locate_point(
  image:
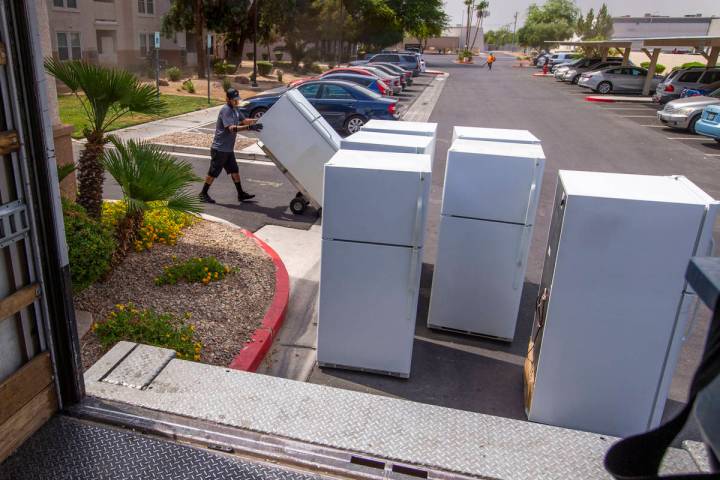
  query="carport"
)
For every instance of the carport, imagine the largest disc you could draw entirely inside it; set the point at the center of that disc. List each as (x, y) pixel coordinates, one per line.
(709, 46)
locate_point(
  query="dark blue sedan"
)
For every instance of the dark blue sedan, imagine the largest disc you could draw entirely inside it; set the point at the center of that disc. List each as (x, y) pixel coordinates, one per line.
(346, 106)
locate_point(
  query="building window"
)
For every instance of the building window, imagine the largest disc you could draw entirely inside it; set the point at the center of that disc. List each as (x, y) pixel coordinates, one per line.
(145, 42)
(65, 3)
(190, 45)
(146, 7)
(68, 45)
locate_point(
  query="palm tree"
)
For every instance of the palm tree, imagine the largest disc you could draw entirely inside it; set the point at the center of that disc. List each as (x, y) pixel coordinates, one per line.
(481, 10)
(105, 95)
(149, 178)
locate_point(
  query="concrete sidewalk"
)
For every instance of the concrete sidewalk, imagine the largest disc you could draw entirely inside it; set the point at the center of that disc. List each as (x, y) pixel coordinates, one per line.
(293, 352)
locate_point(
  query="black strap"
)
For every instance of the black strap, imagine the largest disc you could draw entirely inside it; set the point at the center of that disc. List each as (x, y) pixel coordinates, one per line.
(639, 457)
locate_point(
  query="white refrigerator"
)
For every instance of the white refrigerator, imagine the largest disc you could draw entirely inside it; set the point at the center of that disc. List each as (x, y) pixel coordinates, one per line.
(389, 142)
(373, 222)
(488, 210)
(423, 129)
(494, 135)
(613, 304)
(301, 141)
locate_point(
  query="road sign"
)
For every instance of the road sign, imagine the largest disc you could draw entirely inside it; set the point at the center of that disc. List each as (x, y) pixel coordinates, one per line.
(209, 44)
(157, 40)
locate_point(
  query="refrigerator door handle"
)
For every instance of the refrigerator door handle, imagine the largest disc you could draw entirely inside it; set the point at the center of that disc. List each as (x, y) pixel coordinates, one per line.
(533, 190)
(414, 241)
(522, 248)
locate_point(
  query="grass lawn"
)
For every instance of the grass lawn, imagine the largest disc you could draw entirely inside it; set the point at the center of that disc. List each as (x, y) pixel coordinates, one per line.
(72, 113)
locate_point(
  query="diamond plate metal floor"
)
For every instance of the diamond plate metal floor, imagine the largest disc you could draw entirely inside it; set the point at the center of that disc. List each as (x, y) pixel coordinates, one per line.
(66, 448)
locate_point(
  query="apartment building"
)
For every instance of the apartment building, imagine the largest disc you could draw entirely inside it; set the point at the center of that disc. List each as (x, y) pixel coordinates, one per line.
(115, 32)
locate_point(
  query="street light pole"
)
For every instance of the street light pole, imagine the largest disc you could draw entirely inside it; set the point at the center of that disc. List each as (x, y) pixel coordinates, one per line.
(514, 30)
(255, 32)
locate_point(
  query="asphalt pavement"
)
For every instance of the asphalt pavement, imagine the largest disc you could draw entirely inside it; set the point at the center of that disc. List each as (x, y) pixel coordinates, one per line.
(486, 376)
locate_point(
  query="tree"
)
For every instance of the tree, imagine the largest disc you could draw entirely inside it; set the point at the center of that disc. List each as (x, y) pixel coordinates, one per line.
(554, 20)
(234, 20)
(481, 11)
(106, 95)
(149, 178)
(188, 16)
(595, 28)
(499, 37)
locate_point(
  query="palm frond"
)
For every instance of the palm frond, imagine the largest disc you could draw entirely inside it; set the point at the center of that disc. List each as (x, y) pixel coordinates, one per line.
(147, 174)
(110, 93)
(64, 170)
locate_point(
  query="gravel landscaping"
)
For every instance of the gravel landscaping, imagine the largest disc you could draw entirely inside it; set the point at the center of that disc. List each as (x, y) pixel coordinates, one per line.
(224, 313)
(194, 139)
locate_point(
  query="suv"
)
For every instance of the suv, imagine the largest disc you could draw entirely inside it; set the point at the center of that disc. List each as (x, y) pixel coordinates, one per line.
(408, 61)
(562, 57)
(688, 78)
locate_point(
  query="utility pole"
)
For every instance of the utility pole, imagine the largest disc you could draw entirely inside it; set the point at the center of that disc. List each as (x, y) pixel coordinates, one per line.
(207, 62)
(342, 26)
(255, 32)
(514, 30)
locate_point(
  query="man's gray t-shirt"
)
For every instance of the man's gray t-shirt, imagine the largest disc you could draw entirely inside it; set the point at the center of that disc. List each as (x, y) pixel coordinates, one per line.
(224, 140)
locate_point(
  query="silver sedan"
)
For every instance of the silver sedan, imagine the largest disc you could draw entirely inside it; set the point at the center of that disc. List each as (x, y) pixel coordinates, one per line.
(683, 113)
(618, 80)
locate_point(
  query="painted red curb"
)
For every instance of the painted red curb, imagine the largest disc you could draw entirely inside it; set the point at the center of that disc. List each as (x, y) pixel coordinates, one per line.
(600, 100)
(254, 351)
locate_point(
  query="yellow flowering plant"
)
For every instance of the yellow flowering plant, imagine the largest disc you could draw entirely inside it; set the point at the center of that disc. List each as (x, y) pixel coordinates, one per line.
(195, 270)
(126, 322)
(160, 225)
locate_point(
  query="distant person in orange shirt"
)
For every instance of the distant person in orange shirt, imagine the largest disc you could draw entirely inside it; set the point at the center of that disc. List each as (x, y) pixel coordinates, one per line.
(490, 60)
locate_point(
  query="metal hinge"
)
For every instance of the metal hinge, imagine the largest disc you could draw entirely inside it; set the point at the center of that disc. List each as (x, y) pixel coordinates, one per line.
(14, 224)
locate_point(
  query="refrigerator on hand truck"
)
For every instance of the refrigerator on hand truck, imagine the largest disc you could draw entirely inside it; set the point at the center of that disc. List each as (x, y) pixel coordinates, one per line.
(373, 234)
(299, 141)
(488, 210)
(613, 305)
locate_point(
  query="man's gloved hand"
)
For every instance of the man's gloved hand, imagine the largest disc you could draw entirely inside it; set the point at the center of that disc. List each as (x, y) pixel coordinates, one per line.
(256, 127)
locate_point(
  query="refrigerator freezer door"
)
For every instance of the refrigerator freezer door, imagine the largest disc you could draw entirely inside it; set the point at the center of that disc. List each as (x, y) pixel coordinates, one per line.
(376, 197)
(493, 181)
(300, 140)
(479, 275)
(494, 135)
(367, 306)
(389, 142)
(612, 309)
(423, 129)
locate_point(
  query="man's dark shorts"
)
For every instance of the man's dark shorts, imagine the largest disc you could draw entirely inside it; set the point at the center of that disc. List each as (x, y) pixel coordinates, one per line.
(222, 160)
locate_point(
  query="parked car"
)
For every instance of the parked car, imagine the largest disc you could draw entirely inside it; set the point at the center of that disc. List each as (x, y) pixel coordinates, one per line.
(709, 123)
(392, 81)
(374, 84)
(407, 74)
(687, 78)
(538, 56)
(562, 67)
(408, 61)
(617, 80)
(562, 57)
(345, 105)
(384, 67)
(572, 73)
(542, 60)
(684, 113)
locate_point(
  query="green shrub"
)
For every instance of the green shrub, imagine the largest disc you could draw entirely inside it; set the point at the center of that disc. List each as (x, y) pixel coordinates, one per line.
(90, 246)
(659, 67)
(689, 65)
(278, 56)
(173, 73)
(226, 84)
(195, 270)
(219, 68)
(314, 68)
(165, 330)
(188, 86)
(280, 64)
(264, 68)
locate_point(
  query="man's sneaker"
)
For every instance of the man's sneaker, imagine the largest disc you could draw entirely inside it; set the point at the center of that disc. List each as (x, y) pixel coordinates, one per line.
(244, 196)
(205, 198)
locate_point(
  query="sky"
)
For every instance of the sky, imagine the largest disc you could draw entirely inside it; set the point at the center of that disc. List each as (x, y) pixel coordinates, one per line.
(502, 11)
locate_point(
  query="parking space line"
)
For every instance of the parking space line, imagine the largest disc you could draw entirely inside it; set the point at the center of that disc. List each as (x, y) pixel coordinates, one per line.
(712, 154)
(637, 116)
(687, 138)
